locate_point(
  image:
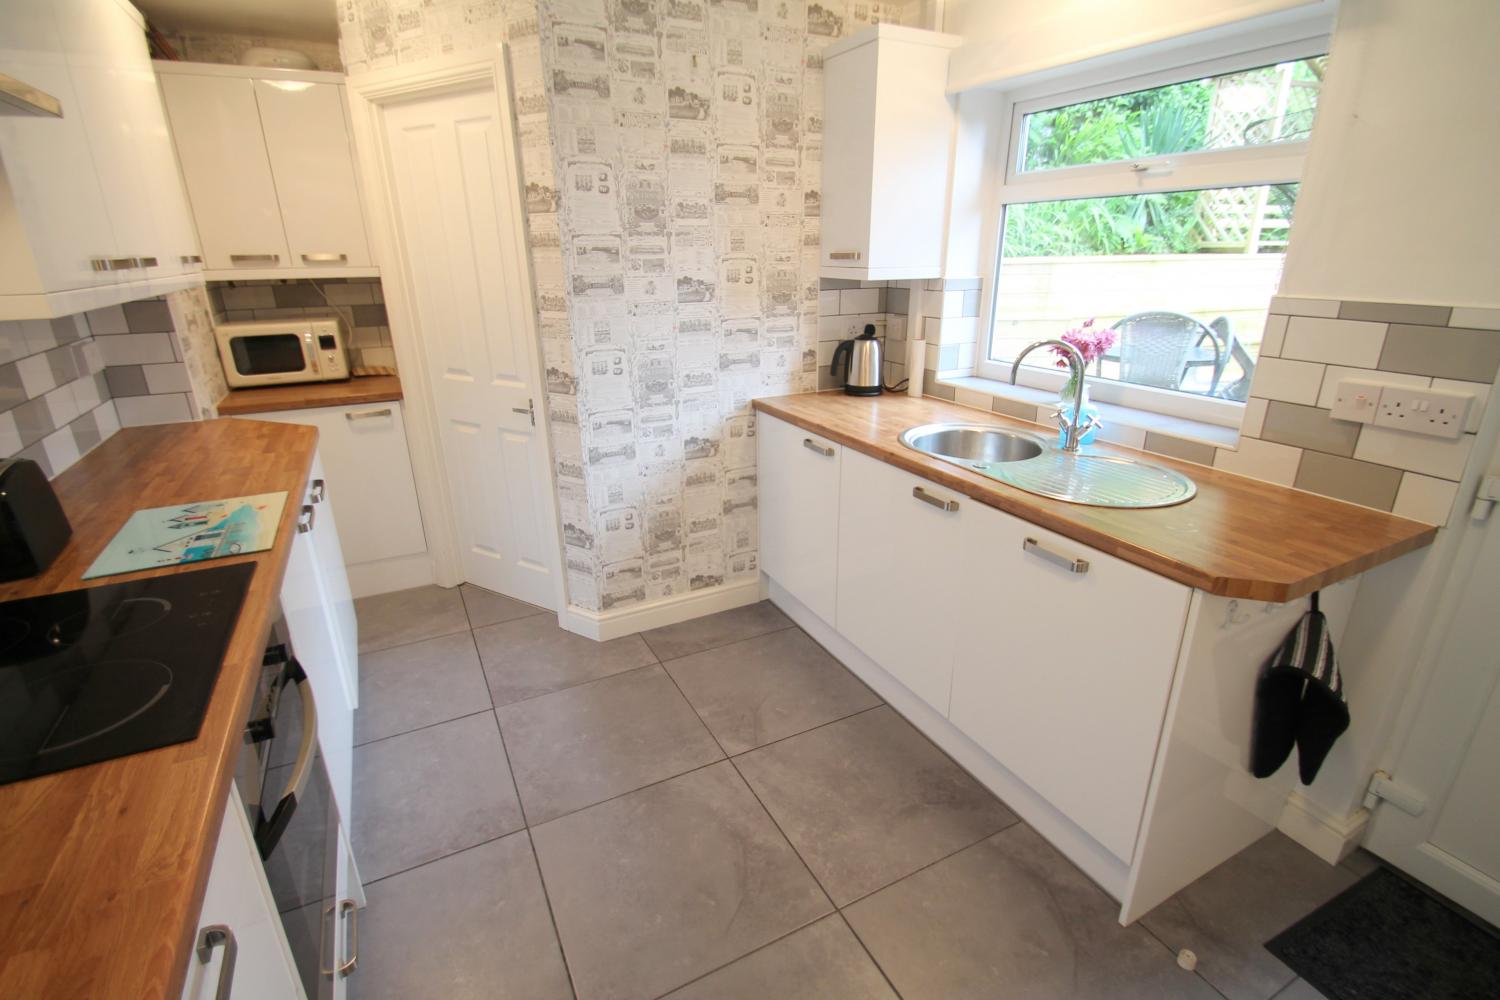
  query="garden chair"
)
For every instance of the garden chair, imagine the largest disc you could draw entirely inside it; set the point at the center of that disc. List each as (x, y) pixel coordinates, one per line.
(1160, 348)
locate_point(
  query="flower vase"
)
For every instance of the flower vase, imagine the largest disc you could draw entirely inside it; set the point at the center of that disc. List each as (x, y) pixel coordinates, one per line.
(1065, 413)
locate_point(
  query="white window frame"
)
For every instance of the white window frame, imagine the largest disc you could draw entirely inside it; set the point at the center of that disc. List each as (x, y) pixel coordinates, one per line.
(1272, 163)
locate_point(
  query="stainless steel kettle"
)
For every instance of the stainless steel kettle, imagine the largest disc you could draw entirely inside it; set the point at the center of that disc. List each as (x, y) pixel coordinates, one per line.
(860, 358)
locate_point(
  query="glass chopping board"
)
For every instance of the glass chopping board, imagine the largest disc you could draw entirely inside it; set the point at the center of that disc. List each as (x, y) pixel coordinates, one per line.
(207, 529)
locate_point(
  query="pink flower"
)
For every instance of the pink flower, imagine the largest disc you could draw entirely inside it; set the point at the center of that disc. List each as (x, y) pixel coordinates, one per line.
(1092, 343)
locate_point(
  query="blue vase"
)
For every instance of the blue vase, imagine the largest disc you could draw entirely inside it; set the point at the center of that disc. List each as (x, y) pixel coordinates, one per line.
(1065, 401)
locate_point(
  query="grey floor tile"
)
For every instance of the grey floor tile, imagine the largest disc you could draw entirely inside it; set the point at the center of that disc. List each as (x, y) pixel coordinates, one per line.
(1360, 863)
(868, 799)
(820, 962)
(472, 925)
(1227, 915)
(404, 616)
(486, 607)
(719, 629)
(532, 656)
(425, 794)
(1011, 917)
(655, 888)
(572, 748)
(408, 687)
(762, 689)
(1300, 990)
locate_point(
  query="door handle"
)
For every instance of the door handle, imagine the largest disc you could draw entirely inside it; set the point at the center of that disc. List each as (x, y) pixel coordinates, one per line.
(529, 409)
(268, 829)
(843, 255)
(306, 519)
(384, 411)
(352, 948)
(1079, 566)
(821, 449)
(210, 938)
(254, 258)
(325, 258)
(318, 492)
(948, 505)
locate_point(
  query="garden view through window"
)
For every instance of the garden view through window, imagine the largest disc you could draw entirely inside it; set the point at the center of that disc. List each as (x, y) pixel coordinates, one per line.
(1182, 278)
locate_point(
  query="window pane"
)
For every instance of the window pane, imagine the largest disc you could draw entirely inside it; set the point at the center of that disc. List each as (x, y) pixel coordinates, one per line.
(1182, 278)
(1250, 108)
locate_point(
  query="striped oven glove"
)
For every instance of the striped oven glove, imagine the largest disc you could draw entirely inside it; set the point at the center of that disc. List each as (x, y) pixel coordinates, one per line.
(1299, 700)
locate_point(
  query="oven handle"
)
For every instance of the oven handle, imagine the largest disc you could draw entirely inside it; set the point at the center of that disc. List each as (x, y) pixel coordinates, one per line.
(269, 830)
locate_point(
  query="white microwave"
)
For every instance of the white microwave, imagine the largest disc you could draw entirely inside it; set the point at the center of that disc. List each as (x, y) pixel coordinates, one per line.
(275, 352)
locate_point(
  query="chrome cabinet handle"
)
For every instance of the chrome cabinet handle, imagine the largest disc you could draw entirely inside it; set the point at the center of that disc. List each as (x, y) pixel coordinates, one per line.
(318, 492)
(190, 258)
(305, 521)
(940, 504)
(1079, 566)
(325, 258)
(211, 937)
(367, 414)
(352, 947)
(843, 255)
(821, 449)
(145, 262)
(112, 263)
(254, 258)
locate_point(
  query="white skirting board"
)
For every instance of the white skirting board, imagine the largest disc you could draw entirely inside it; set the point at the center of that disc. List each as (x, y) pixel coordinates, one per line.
(606, 625)
(386, 575)
(1332, 838)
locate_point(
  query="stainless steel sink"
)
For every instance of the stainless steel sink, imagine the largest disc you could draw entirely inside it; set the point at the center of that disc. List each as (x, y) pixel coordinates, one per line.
(1027, 462)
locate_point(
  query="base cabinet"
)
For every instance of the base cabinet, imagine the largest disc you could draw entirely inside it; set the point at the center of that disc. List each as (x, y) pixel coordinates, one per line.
(798, 478)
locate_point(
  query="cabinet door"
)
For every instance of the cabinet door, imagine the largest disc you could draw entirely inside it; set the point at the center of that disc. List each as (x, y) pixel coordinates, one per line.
(799, 513)
(238, 897)
(897, 589)
(334, 579)
(849, 125)
(307, 140)
(216, 128)
(1063, 676)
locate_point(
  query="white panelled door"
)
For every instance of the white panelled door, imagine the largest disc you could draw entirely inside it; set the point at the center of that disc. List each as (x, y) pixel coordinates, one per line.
(454, 179)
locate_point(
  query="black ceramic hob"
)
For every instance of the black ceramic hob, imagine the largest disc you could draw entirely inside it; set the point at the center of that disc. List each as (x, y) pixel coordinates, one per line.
(89, 675)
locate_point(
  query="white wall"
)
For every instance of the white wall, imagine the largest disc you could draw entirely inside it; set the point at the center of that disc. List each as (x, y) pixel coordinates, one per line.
(1399, 200)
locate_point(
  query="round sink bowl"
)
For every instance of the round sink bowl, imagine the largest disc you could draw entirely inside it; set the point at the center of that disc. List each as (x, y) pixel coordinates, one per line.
(972, 443)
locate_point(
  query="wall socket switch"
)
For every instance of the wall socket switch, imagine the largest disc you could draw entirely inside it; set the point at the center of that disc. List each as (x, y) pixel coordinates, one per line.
(1356, 400)
(1423, 411)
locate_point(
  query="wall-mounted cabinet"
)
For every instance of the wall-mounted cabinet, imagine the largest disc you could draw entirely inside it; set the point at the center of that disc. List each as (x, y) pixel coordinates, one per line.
(888, 128)
(269, 169)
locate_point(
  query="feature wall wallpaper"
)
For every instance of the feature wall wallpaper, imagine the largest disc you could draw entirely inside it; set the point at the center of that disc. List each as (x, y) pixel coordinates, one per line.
(672, 152)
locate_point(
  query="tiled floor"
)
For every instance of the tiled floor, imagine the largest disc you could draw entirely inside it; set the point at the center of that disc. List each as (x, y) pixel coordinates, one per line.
(720, 810)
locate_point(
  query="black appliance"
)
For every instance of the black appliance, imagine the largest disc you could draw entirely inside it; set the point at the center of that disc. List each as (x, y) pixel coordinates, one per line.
(89, 675)
(33, 527)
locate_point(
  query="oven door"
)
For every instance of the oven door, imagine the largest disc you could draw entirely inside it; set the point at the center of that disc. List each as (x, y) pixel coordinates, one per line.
(268, 357)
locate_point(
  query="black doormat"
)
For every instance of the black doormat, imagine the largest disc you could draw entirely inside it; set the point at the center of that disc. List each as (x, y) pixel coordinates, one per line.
(1384, 938)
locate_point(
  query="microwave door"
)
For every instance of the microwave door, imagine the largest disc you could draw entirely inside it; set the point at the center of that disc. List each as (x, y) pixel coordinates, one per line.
(269, 354)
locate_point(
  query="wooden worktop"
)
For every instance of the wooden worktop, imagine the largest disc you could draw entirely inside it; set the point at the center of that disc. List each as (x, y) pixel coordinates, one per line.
(308, 395)
(1238, 537)
(103, 868)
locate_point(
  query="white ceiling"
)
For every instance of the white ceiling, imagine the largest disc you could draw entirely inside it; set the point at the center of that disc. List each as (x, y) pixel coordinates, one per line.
(305, 20)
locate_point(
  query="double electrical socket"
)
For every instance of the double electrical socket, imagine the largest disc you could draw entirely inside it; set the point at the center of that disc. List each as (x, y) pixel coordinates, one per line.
(1420, 411)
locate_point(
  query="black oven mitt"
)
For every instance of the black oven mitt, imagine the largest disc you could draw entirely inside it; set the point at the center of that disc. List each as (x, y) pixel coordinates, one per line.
(1299, 701)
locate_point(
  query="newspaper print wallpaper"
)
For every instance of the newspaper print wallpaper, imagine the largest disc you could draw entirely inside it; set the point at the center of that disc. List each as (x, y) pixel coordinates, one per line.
(672, 152)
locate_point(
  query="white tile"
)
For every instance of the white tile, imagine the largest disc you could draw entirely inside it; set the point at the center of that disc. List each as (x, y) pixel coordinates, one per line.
(952, 303)
(1479, 390)
(93, 356)
(895, 326)
(61, 448)
(1288, 306)
(825, 352)
(1423, 498)
(968, 397)
(828, 303)
(1335, 341)
(107, 418)
(833, 327)
(1275, 463)
(1472, 318)
(1337, 373)
(959, 329)
(167, 378)
(137, 349)
(1414, 452)
(106, 321)
(380, 356)
(36, 375)
(859, 300)
(932, 329)
(1254, 418)
(934, 356)
(136, 411)
(86, 393)
(62, 405)
(1291, 381)
(10, 438)
(1130, 437)
(965, 355)
(1271, 339)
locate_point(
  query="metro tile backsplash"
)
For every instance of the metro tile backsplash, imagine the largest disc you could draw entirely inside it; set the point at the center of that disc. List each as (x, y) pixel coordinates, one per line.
(55, 401)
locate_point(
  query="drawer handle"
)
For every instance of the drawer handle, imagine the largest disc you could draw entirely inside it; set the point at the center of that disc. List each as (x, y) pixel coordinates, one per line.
(384, 411)
(352, 950)
(318, 492)
(306, 519)
(1079, 566)
(113, 263)
(940, 504)
(843, 255)
(190, 258)
(146, 262)
(254, 258)
(821, 449)
(210, 938)
(325, 258)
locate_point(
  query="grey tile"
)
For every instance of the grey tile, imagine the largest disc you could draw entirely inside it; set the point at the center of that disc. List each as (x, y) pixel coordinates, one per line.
(351, 293)
(1440, 352)
(826, 379)
(830, 284)
(67, 329)
(1013, 408)
(33, 420)
(425, 794)
(387, 620)
(1227, 915)
(719, 629)
(151, 316)
(1396, 312)
(695, 875)
(532, 656)
(1012, 917)
(485, 607)
(822, 961)
(126, 380)
(12, 392)
(769, 687)
(1348, 479)
(931, 387)
(1188, 451)
(419, 684)
(64, 364)
(1361, 862)
(1306, 427)
(296, 295)
(1300, 989)
(869, 799)
(38, 455)
(240, 297)
(573, 748)
(971, 303)
(472, 926)
(372, 315)
(86, 432)
(898, 300)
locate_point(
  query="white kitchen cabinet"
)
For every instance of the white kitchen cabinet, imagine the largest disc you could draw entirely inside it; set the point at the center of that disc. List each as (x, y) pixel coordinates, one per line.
(900, 540)
(269, 170)
(799, 494)
(887, 154)
(238, 905)
(1062, 675)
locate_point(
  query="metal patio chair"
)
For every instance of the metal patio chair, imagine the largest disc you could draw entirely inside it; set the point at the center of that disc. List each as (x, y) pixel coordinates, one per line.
(1161, 348)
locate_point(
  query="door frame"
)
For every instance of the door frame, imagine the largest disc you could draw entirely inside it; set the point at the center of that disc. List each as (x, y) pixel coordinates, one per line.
(368, 94)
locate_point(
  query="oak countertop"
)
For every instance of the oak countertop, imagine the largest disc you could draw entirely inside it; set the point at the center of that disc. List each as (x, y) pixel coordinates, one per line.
(103, 867)
(309, 395)
(1238, 537)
